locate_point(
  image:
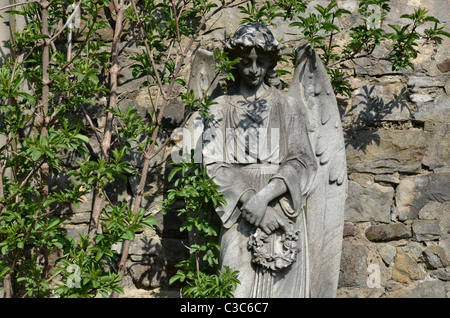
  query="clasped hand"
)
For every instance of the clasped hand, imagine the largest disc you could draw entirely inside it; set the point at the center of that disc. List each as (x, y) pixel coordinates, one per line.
(257, 212)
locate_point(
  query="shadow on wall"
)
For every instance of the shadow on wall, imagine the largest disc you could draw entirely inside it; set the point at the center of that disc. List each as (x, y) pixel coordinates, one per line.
(371, 106)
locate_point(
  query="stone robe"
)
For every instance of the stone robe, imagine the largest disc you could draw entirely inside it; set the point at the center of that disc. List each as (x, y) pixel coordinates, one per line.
(245, 146)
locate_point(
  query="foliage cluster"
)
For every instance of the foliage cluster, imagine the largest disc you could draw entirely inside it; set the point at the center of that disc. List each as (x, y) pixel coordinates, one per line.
(200, 272)
(400, 43)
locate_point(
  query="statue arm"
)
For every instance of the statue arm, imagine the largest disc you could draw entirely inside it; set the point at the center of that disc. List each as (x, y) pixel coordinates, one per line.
(295, 174)
(298, 168)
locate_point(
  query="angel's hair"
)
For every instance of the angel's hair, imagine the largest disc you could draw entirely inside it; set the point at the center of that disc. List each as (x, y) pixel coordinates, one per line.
(256, 35)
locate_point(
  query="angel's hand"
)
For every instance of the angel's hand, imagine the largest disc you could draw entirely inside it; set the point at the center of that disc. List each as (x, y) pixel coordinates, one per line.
(254, 209)
(274, 220)
(269, 222)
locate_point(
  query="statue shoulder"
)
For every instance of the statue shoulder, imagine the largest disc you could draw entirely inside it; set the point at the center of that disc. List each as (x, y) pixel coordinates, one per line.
(291, 105)
(218, 105)
(220, 101)
(216, 110)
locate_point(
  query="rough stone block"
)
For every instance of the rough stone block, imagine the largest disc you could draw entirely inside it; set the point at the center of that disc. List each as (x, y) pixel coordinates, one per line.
(387, 232)
(405, 268)
(425, 230)
(371, 203)
(386, 151)
(353, 272)
(438, 152)
(438, 111)
(413, 193)
(435, 257)
(441, 273)
(427, 289)
(350, 230)
(387, 253)
(444, 66)
(381, 103)
(426, 81)
(435, 210)
(154, 272)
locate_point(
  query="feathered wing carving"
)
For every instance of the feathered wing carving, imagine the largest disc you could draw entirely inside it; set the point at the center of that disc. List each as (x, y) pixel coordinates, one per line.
(203, 79)
(203, 82)
(325, 203)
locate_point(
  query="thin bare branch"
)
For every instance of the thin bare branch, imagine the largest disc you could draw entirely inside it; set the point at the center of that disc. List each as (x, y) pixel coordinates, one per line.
(18, 4)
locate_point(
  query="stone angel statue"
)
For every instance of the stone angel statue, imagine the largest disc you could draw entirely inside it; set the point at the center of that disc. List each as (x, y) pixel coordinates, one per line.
(279, 160)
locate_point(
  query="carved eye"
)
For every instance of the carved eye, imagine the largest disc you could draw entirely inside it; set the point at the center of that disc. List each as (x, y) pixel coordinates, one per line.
(261, 61)
(245, 61)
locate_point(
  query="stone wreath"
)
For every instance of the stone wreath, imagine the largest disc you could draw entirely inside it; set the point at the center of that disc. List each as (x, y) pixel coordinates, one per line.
(261, 245)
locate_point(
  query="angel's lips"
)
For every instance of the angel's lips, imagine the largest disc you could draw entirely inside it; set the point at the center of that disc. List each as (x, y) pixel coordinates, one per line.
(253, 78)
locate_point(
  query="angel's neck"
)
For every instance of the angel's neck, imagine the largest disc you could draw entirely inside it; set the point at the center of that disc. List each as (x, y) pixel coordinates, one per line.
(253, 93)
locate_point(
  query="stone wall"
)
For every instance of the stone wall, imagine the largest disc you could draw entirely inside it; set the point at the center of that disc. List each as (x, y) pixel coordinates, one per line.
(397, 131)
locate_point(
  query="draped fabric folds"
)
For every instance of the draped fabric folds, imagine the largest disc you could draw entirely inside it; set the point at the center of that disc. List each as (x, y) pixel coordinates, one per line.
(245, 146)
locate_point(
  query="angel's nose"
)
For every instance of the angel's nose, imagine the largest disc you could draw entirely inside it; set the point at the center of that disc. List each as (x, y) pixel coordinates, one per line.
(254, 68)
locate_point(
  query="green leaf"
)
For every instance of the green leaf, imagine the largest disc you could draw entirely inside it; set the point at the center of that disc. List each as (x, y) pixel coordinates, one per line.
(82, 137)
(129, 235)
(173, 173)
(92, 75)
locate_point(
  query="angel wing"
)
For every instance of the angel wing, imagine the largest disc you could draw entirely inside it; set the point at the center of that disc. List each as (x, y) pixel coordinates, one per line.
(203, 80)
(326, 201)
(203, 83)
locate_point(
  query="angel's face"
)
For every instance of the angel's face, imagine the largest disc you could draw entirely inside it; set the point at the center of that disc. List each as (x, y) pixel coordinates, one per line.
(253, 68)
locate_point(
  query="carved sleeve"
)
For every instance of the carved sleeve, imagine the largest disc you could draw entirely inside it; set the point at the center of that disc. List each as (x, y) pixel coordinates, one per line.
(298, 166)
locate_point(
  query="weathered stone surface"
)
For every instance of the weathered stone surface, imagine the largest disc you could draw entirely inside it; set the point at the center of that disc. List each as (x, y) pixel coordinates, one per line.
(387, 232)
(387, 253)
(173, 114)
(353, 266)
(405, 268)
(438, 152)
(386, 151)
(444, 66)
(350, 293)
(435, 257)
(415, 82)
(439, 111)
(413, 193)
(175, 250)
(425, 230)
(427, 289)
(79, 218)
(414, 249)
(363, 179)
(154, 272)
(74, 230)
(435, 210)
(372, 203)
(126, 82)
(441, 273)
(84, 205)
(372, 67)
(381, 103)
(143, 245)
(421, 98)
(388, 178)
(350, 230)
